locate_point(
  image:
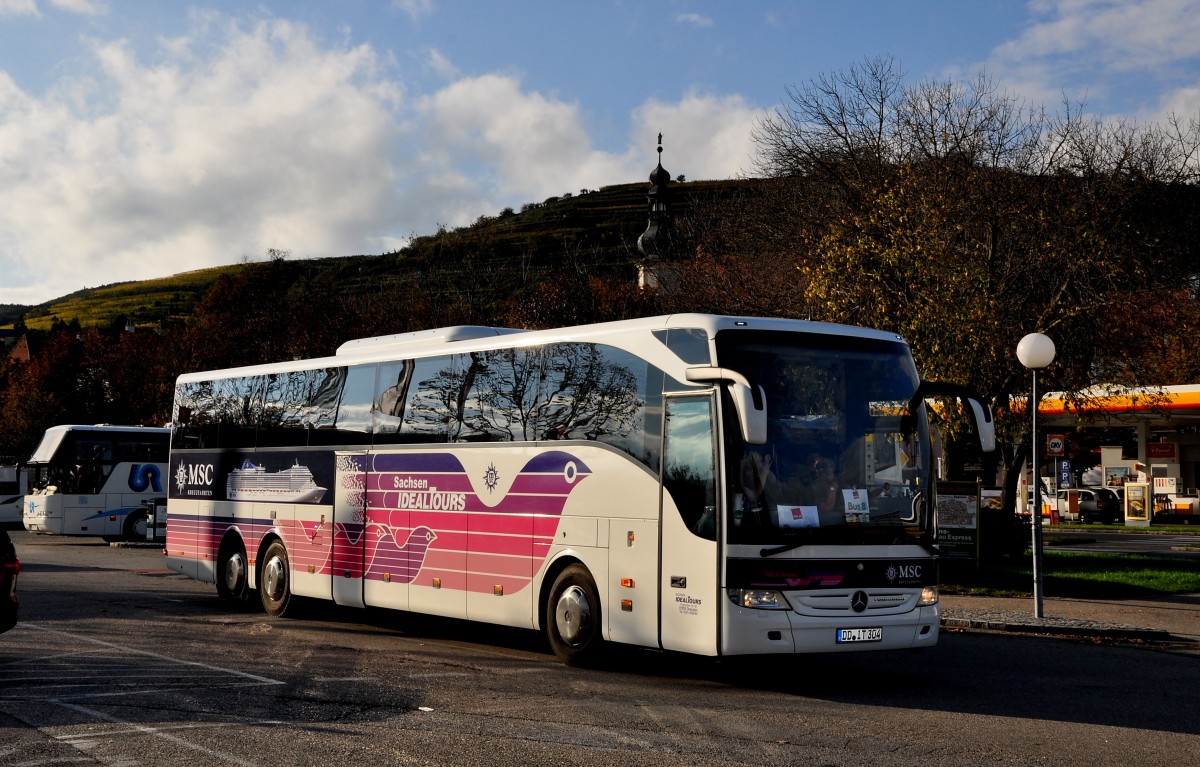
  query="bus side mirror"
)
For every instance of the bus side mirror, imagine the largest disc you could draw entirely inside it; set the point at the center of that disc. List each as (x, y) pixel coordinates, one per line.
(984, 425)
(751, 416)
(750, 401)
(981, 414)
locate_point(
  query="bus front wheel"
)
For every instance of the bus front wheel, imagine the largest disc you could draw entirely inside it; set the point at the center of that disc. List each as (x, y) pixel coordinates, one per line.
(275, 584)
(135, 525)
(572, 617)
(232, 576)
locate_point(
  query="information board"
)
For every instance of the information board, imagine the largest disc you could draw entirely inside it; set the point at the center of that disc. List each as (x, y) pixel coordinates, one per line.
(958, 520)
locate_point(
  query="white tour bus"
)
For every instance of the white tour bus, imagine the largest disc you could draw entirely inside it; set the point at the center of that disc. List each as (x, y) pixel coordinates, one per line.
(712, 485)
(92, 480)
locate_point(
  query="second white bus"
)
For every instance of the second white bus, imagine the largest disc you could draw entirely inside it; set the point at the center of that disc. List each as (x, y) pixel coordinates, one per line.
(93, 480)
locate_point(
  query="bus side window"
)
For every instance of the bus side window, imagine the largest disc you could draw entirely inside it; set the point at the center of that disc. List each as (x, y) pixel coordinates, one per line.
(498, 395)
(351, 416)
(593, 392)
(194, 424)
(689, 471)
(393, 380)
(429, 405)
(236, 407)
(279, 422)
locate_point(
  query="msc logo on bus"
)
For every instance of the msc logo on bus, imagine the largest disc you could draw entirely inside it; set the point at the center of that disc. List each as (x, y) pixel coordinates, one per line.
(193, 474)
(143, 476)
(903, 573)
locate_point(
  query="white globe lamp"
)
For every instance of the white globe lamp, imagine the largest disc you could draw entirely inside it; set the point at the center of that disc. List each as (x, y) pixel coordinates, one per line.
(1036, 351)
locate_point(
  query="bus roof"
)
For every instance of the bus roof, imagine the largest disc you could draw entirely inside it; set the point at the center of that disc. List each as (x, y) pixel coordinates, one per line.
(478, 338)
(105, 427)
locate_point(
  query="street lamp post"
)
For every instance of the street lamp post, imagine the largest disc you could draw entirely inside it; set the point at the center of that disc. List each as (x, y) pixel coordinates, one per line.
(1036, 351)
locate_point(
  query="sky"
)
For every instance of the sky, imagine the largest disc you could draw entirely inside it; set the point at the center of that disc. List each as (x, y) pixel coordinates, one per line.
(144, 138)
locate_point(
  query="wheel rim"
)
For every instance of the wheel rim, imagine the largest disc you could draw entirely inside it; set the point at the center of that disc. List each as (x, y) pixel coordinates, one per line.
(139, 527)
(235, 571)
(273, 578)
(573, 615)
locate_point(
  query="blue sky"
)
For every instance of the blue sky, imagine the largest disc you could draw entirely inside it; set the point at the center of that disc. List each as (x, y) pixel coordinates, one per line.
(144, 138)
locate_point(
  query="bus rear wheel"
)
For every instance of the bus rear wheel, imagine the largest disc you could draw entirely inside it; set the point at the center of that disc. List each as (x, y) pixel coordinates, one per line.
(232, 573)
(275, 585)
(572, 617)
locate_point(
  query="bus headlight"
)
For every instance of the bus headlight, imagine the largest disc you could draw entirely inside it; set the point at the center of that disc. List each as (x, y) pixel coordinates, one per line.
(929, 596)
(758, 599)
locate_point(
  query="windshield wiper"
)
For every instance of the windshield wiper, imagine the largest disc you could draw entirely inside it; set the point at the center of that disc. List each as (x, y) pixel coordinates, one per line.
(780, 549)
(924, 542)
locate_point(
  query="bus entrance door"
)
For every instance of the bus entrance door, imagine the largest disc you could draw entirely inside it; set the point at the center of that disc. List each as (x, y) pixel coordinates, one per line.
(688, 591)
(349, 528)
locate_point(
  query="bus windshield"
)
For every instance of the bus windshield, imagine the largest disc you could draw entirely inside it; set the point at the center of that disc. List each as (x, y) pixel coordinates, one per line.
(837, 466)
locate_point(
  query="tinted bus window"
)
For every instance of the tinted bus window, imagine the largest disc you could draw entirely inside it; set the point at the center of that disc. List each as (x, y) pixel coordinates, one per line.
(431, 402)
(392, 382)
(351, 424)
(500, 389)
(237, 403)
(298, 403)
(594, 392)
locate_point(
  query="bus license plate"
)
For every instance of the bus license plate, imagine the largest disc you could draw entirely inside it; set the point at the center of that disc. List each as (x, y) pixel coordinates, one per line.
(859, 635)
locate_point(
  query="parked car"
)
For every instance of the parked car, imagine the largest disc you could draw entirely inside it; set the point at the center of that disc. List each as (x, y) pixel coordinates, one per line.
(10, 566)
(1100, 504)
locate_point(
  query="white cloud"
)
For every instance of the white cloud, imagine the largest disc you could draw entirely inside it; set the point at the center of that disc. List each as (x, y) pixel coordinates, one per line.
(694, 19)
(138, 171)
(1115, 34)
(18, 8)
(438, 62)
(1094, 47)
(30, 7)
(85, 7)
(1184, 102)
(530, 146)
(417, 9)
(704, 136)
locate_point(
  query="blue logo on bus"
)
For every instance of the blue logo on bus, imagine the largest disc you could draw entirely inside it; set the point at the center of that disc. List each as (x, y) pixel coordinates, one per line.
(142, 476)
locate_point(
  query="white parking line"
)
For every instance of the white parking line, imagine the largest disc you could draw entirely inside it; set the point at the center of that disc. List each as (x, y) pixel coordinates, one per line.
(147, 654)
(37, 676)
(157, 733)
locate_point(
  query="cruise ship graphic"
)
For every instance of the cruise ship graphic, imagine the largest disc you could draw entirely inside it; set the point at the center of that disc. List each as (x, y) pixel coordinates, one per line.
(254, 483)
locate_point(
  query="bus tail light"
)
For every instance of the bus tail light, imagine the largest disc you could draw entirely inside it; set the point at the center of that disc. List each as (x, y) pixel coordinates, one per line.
(759, 599)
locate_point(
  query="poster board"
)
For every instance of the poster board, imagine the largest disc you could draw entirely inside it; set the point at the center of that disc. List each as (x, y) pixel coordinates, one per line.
(1137, 504)
(958, 520)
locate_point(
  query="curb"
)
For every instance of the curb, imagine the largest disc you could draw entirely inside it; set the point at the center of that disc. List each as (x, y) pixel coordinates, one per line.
(1053, 627)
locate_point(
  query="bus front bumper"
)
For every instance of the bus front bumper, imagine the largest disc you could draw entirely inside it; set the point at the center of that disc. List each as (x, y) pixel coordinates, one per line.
(767, 632)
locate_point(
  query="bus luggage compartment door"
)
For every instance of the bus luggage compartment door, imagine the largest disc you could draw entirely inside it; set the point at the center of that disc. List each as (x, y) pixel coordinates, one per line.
(349, 529)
